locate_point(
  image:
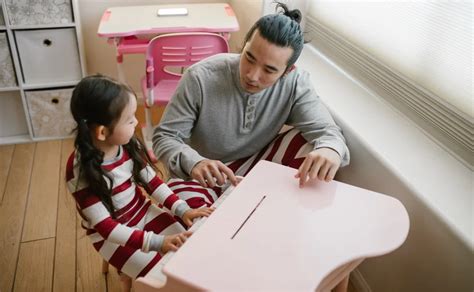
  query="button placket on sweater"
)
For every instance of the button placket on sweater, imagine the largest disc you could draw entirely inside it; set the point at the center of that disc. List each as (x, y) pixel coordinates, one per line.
(249, 112)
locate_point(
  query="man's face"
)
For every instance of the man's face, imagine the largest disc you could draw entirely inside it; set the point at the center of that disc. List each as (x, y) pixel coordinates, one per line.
(262, 63)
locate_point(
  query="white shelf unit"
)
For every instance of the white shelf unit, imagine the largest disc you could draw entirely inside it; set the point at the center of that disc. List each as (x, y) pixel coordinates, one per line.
(41, 60)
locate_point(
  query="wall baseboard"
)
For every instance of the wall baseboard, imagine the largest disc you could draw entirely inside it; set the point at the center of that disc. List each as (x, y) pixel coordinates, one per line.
(358, 281)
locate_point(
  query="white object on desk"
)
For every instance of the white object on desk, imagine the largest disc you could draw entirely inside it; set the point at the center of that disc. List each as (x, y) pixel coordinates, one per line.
(172, 11)
(296, 239)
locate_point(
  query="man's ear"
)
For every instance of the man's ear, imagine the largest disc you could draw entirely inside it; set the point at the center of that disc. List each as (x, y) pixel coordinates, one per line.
(289, 69)
(100, 133)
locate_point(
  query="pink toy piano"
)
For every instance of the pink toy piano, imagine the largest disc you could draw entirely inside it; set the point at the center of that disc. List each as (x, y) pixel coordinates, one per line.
(270, 235)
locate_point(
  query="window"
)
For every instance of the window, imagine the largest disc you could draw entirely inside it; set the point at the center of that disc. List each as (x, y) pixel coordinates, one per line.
(417, 55)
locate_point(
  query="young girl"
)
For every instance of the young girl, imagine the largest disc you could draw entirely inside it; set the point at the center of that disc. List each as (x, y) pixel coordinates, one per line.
(104, 173)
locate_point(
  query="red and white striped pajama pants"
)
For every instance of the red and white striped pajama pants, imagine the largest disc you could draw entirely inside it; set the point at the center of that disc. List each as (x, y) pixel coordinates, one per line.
(288, 148)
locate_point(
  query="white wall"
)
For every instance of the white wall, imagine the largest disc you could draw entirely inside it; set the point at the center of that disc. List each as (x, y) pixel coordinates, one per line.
(391, 155)
(433, 257)
(100, 56)
(247, 12)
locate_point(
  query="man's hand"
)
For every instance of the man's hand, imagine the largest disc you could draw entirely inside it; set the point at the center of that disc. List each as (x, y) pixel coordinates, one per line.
(321, 163)
(210, 173)
(189, 215)
(175, 241)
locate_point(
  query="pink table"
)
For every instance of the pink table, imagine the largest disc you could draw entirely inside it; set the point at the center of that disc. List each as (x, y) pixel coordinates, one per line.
(270, 235)
(129, 27)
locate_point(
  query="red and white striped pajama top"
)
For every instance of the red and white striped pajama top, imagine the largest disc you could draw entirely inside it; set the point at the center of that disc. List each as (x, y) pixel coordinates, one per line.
(125, 241)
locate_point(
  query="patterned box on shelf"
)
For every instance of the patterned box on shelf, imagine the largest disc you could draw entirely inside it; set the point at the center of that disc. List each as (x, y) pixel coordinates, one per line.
(49, 112)
(38, 12)
(49, 55)
(7, 73)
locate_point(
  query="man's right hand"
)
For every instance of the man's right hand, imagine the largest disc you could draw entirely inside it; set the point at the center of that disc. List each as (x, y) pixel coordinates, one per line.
(210, 173)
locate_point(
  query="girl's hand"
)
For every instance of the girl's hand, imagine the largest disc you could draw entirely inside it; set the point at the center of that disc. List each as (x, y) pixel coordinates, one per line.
(175, 241)
(189, 215)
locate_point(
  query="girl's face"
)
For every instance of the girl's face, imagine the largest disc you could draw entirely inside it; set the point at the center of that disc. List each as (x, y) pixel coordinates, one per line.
(125, 127)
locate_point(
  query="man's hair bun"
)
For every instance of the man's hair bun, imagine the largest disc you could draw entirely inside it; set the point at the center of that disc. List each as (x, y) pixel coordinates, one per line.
(294, 14)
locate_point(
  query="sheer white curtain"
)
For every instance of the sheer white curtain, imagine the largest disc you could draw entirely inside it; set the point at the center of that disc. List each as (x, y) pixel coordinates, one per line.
(429, 42)
(416, 54)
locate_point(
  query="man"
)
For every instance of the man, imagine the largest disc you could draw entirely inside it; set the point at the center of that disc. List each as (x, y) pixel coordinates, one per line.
(229, 108)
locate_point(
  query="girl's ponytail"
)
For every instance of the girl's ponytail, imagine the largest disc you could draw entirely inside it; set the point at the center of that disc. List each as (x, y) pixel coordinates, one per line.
(139, 155)
(90, 160)
(96, 100)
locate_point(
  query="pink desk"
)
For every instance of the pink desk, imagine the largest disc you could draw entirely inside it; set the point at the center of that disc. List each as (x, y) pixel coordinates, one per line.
(270, 235)
(125, 25)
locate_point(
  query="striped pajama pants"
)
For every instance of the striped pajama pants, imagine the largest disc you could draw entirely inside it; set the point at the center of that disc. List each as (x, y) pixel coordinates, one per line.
(288, 148)
(134, 262)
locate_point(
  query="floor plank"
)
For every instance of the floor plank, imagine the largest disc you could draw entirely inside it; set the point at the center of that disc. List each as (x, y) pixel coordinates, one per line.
(65, 250)
(35, 266)
(12, 212)
(156, 114)
(89, 275)
(6, 154)
(43, 198)
(113, 281)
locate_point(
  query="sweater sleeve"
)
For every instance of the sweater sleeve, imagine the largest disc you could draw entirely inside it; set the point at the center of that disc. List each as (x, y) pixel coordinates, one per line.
(170, 136)
(162, 193)
(310, 116)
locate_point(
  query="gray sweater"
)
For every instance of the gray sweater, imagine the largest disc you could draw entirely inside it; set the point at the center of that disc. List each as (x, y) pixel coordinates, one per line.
(211, 116)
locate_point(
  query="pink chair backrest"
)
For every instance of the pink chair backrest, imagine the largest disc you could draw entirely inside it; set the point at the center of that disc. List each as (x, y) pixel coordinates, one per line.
(179, 50)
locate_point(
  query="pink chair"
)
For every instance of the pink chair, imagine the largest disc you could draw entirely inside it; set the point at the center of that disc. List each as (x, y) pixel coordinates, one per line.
(167, 57)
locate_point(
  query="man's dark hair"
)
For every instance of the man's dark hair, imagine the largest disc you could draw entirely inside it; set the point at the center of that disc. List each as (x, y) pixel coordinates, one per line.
(282, 29)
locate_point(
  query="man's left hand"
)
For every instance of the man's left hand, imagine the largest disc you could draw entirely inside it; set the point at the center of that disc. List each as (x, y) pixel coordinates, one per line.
(321, 163)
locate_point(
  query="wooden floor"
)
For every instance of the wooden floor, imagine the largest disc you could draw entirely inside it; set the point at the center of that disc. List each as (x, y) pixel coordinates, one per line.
(42, 246)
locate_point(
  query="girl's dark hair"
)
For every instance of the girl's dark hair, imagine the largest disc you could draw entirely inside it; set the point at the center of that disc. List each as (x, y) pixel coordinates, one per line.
(282, 29)
(100, 100)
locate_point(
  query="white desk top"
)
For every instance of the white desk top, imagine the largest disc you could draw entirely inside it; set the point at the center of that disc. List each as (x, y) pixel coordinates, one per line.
(293, 237)
(137, 20)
